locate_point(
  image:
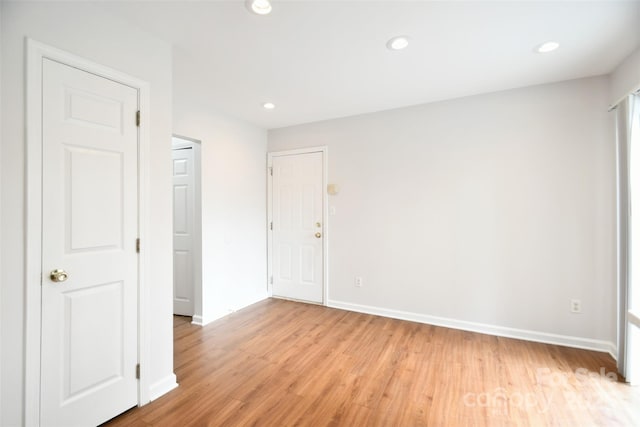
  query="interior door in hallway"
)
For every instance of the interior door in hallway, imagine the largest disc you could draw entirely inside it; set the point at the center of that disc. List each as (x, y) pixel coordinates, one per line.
(183, 228)
(89, 309)
(298, 226)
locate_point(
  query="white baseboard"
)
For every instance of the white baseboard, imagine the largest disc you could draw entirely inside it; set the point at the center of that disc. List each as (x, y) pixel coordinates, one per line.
(202, 321)
(197, 320)
(501, 331)
(162, 387)
(212, 317)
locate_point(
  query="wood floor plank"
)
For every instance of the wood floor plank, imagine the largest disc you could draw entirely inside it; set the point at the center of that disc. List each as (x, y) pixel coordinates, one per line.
(282, 363)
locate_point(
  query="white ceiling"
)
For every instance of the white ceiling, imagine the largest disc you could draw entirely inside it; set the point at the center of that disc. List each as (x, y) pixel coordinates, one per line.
(318, 60)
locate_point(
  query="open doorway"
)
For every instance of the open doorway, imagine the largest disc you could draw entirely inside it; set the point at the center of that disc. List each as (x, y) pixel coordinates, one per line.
(187, 234)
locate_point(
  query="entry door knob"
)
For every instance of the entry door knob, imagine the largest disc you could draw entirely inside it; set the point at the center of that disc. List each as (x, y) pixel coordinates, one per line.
(318, 235)
(58, 276)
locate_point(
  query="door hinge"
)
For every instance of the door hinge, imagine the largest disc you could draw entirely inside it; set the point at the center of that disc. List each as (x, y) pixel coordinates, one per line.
(138, 118)
(271, 170)
(138, 371)
(271, 280)
(271, 225)
(138, 245)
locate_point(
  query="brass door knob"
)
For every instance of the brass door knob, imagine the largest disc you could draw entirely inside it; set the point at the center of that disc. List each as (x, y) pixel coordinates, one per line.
(58, 276)
(318, 235)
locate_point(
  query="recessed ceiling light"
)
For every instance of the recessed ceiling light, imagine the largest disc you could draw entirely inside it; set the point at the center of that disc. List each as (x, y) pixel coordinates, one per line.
(269, 105)
(398, 43)
(547, 47)
(261, 7)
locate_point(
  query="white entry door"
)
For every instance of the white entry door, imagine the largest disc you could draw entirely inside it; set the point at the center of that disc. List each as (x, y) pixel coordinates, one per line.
(89, 261)
(298, 226)
(183, 230)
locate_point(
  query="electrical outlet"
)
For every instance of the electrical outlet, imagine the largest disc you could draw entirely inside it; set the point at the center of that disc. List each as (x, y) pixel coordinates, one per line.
(358, 282)
(576, 306)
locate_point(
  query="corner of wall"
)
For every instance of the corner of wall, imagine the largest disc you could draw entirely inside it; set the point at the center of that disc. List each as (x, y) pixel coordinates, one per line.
(626, 77)
(162, 387)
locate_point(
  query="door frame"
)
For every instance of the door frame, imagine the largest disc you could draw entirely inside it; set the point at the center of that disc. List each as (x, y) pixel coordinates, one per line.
(325, 214)
(196, 319)
(36, 52)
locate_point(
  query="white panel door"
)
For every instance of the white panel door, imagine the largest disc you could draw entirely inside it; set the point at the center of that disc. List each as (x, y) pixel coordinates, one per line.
(89, 230)
(183, 227)
(297, 241)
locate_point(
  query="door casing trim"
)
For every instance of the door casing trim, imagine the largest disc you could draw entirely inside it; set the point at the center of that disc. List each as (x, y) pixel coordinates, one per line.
(325, 213)
(35, 53)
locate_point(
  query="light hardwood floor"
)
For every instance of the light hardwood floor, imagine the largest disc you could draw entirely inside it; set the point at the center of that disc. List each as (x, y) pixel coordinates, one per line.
(282, 363)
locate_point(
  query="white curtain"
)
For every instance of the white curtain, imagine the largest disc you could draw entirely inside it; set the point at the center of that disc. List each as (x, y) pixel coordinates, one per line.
(622, 134)
(628, 166)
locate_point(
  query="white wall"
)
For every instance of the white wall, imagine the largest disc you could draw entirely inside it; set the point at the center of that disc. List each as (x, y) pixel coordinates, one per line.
(233, 198)
(1, 109)
(88, 32)
(626, 77)
(494, 209)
